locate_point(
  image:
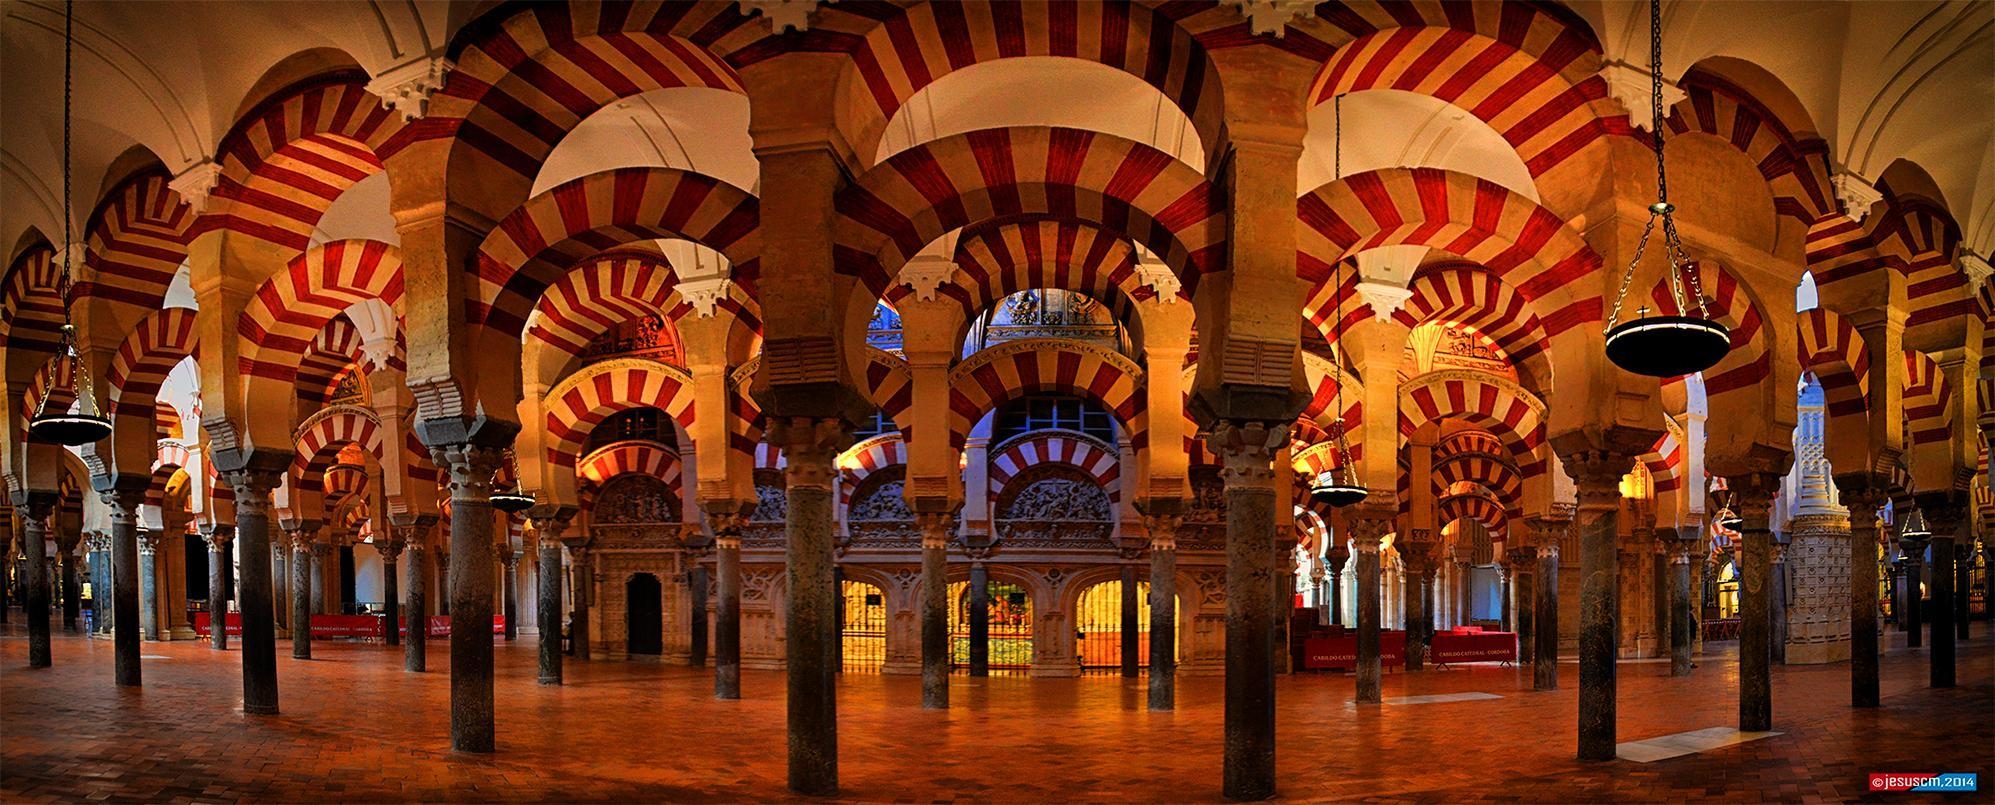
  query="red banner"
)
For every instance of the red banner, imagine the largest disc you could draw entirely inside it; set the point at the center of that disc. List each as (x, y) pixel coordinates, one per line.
(1474, 647)
(439, 625)
(233, 623)
(1341, 653)
(322, 625)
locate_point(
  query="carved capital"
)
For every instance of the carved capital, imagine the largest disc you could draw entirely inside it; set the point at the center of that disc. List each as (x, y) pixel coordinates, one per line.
(1163, 530)
(407, 89)
(469, 469)
(218, 538)
(782, 16)
(1247, 449)
(1597, 474)
(809, 445)
(926, 274)
(934, 527)
(1272, 16)
(1630, 85)
(1752, 497)
(252, 487)
(195, 184)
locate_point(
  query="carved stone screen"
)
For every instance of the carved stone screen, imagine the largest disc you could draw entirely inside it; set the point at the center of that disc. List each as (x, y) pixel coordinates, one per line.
(635, 498)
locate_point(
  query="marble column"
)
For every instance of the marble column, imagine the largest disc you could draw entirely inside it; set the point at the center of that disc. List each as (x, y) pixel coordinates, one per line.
(72, 581)
(1131, 624)
(1545, 603)
(1597, 473)
(935, 660)
(1412, 605)
(579, 586)
(1864, 500)
(252, 484)
(980, 612)
(1944, 516)
(1368, 527)
(1682, 557)
(727, 603)
(390, 549)
(1913, 572)
(148, 583)
(509, 563)
(1247, 449)
(301, 587)
(102, 593)
(1334, 560)
(1753, 500)
(218, 538)
(470, 467)
(415, 651)
(37, 506)
(810, 445)
(1163, 608)
(280, 587)
(549, 523)
(1523, 594)
(1779, 590)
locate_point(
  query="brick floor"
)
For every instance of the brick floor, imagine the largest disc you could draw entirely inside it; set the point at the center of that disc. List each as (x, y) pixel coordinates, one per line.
(355, 727)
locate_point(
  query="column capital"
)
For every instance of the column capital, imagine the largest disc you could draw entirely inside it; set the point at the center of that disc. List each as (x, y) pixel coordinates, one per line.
(1597, 474)
(809, 445)
(389, 549)
(469, 468)
(934, 527)
(148, 540)
(218, 537)
(1163, 530)
(1247, 449)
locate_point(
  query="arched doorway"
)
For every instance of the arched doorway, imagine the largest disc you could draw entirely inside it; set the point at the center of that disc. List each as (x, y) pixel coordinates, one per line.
(1098, 627)
(645, 598)
(1010, 624)
(864, 631)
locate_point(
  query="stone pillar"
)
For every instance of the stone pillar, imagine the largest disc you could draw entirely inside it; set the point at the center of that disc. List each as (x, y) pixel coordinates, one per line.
(980, 612)
(1247, 449)
(38, 506)
(390, 548)
(810, 445)
(1682, 556)
(415, 652)
(727, 603)
(1914, 547)
(1963, 561)
(301, 588)
(1753, 500)
(579, 585)
(100, 579)
(148, 583)
(1944, 516)
(1416, 558)
(935, 660)
(470, 467)
(1863, 500)
(1545, 620)
(280, 587)
(72, 581)
(1163, 527)
(1333, 560)
(325, 575)
(509, 563)
(548, 524)
(1368, 527)
(218, 538)
(1779, 590)
(698, 584)
(1132, 628)
(1597, 474)
(252, 484)
(1523, 594)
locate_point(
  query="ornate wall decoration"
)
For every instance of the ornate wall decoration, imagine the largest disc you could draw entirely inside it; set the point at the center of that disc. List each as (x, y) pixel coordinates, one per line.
(1208, 496)
(881, 498)
(1054, 506)
(771, 502)
(635, 498)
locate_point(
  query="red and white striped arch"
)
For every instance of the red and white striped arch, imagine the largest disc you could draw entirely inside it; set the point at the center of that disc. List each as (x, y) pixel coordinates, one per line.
(1831, 349)
(290, 309)
(890, 385)
(601, 294)
(1494, 472)
(324, 434)
(1475, 507)
(1318, 421)
(54, 382)
(137, 239)
(1523, 244)
(625, 457)
(1502, 408)
(534, 246)
(920, 194)
(161, 341)
(1100, 461)
(1664, 461)
(286, 161)
(169, 453)
(1544, 113)
(1797, 170)
(1728, 302)
(333, 353)
(999, 260)
(1000, 374)
(341, 481)
(1920, 237)
(1451, 292)
(865, 458)
(1470, 441)
(31, 306)
(1926, 396)
(586, 398)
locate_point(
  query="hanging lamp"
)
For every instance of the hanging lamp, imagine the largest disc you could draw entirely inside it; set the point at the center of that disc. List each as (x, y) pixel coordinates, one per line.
(511, 500)
(1688, 341)
(87, 424)
(1334, 487)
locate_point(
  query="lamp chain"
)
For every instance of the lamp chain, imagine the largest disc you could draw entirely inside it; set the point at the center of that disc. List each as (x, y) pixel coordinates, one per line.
(1678, 257)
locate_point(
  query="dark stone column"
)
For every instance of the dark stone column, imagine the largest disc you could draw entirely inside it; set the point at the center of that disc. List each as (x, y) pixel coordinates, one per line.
(1163, 608)
(1944, 516)
(1863, 499)
(727, 527)
(218, 538)
(415, 652)
(252, 479)
(698, 582)
(443, 576)
(1524, 589)
(37, 506)
(148, 583)
(1419, 562)
(1506, 582)
(470, 467)
(325, 576)
(980, 613)
(280, 587)
(1247, 449)
(1753, 500)
(509, 563)
(1367, 528)
(1545, 620)
(1909, 615)
(100, 580)
(1963, 560)
(549, 522)
(935, 659)
(72, 582)
(580, 584)
(1777, 600)
(809, 445)
(301, 534)
(1335, 558)
(1681, 556)
(1132, 628)
(1598, 473)
(390, 549)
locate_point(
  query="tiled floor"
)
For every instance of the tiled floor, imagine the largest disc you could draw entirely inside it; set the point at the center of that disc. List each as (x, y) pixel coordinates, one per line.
(355, 727)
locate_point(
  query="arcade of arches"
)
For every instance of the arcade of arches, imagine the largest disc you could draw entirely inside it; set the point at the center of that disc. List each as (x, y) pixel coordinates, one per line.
(1001, 339)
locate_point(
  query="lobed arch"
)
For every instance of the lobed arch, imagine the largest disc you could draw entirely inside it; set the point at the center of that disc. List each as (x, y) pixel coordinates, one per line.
(1520, 243)
(909, 48)
(893, 211)
(1091, 457)
(136, 241)
(288, 159)
(997, 375)
(1503, 408)
(586, 398)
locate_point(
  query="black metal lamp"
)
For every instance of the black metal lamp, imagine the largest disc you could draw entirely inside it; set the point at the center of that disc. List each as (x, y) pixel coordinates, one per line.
(1688, 341)
(511, 500)
(87, 424)
(1334, 487)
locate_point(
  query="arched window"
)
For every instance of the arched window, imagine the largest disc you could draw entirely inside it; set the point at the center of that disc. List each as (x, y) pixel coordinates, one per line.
(1059, 411)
